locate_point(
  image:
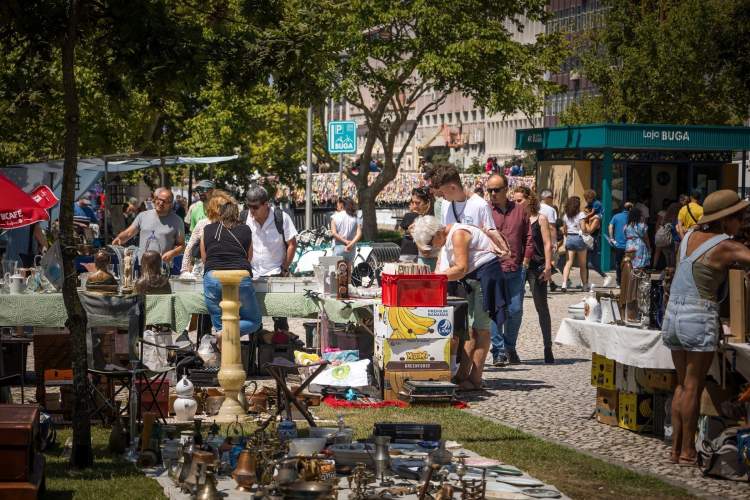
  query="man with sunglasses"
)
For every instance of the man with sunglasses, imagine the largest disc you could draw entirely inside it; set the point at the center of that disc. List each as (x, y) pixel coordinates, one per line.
(274, 234)
(159, 228)
(196, 212)
(512, 221)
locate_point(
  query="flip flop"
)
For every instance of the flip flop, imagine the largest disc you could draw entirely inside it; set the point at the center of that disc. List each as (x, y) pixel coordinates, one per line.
(688, 462)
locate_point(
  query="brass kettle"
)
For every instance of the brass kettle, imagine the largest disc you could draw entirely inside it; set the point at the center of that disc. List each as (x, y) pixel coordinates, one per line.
(244, 474)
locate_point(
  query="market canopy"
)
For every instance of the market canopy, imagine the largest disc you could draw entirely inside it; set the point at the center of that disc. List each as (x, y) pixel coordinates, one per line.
(17, 208)
(128, 165)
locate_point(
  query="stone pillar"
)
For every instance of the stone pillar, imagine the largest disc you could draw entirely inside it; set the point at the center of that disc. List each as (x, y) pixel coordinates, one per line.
(231, 374)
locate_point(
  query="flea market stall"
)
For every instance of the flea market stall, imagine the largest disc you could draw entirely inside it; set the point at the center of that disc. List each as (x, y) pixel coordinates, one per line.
(631, 368)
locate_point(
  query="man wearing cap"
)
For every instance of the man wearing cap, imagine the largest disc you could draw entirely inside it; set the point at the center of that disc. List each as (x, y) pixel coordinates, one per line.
(196, 211)
(83, 209)
(159, 229)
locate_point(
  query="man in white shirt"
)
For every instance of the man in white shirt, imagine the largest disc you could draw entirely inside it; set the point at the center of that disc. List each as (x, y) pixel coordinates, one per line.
(460, 206)
(274, 235)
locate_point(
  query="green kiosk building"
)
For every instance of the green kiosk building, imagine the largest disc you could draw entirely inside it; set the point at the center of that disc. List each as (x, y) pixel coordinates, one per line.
(652, 164)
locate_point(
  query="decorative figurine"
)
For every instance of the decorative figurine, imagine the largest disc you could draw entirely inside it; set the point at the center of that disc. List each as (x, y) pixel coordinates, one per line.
(185, 405)
(152, 280)
(127, 270)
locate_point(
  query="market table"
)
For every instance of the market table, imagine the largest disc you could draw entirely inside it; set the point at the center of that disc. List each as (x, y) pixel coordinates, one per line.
(629, 346)
(48, 310)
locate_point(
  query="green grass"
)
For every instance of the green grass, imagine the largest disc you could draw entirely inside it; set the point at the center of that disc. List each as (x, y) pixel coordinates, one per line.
(110, 478)
(576, 474)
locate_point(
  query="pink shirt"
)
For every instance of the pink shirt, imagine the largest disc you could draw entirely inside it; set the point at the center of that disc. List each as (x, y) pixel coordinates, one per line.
(514, 224)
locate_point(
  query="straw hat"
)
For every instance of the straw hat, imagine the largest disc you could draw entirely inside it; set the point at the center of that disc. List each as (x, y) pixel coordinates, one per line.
(720, 204)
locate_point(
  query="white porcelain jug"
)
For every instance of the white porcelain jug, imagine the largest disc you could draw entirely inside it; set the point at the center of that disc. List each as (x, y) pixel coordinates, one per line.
(16, 283)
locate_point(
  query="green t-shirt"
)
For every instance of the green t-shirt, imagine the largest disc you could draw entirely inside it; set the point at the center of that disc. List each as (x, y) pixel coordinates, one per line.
(196, 213)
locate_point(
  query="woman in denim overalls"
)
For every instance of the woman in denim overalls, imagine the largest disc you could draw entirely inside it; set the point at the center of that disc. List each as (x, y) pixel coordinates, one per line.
(691, 323)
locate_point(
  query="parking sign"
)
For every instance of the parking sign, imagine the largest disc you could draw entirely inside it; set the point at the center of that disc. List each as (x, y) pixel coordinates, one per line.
(342, 137)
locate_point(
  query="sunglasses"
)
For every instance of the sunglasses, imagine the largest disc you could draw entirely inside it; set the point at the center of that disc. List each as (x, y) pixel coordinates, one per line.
(167, 202)
(496, 190)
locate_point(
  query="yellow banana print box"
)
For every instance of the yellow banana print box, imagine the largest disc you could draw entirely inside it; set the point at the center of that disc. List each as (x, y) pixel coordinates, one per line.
(404, 354)
(413, 323)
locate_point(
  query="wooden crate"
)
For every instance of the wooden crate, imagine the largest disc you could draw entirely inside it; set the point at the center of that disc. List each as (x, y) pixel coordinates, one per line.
(19, 441)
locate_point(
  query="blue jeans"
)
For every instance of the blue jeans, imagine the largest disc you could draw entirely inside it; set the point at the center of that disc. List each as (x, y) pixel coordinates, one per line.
(504, 338)
(340, 250)
(250, 317)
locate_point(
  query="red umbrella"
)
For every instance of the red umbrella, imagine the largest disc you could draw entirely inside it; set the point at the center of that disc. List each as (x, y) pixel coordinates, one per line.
(17, 208)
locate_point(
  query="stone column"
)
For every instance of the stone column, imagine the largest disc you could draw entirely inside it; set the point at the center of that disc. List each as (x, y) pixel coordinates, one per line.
(231, 374)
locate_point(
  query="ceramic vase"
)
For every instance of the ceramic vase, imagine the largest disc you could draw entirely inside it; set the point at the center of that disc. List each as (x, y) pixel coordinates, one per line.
(185, 405)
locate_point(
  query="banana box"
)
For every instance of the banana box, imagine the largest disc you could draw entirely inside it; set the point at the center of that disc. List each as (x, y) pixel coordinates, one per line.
(413, 323)
(406, 355)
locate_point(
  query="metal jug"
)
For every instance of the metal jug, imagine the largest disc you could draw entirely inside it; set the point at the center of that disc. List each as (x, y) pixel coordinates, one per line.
(16, 283)
(208, 491)
(198, 465)
(245, 472)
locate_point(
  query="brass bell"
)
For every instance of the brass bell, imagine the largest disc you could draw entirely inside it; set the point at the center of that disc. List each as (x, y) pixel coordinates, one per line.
(244, 473)
(208, 491)
(200, 462)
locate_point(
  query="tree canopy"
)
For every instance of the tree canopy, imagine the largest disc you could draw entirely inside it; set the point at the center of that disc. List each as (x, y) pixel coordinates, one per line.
(395, 62)
(666, 61)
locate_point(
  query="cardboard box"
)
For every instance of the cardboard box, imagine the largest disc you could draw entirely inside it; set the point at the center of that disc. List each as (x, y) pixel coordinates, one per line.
(606, 406)
(429, 354)
(602, 372)
(654, 380)
(635, 411)
(392, 381)
(739, 313)
(434, 322)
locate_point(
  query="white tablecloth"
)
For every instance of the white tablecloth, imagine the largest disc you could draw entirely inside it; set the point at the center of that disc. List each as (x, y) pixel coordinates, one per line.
(629, 346)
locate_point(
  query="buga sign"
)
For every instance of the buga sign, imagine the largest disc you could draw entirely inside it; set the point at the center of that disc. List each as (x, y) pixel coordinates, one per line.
(666, 135)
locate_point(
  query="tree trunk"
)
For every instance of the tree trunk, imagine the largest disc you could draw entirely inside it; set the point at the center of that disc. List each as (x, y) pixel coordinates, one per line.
(82, 455)
(369, 214)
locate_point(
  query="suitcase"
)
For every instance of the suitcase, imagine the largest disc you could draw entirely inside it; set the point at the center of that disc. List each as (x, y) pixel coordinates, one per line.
(19, 441)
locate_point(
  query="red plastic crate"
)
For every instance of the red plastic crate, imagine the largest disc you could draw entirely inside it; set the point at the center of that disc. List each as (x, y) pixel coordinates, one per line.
(415, 290)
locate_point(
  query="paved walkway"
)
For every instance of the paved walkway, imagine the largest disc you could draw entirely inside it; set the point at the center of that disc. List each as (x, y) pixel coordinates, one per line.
(556, 402)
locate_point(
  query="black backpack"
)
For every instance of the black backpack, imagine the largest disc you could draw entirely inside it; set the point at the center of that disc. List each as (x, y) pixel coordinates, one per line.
(278, 220)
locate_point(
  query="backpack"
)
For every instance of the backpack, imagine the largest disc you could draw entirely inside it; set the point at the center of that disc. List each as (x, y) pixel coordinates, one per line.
(278, 220)
(719, 455)
(663, 237)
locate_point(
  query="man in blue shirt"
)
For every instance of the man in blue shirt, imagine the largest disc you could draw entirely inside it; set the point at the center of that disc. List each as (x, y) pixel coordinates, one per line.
(83, 209)
(617, 235)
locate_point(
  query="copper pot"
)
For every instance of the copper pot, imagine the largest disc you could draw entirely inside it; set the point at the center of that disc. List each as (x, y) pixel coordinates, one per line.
(244, 473)
(213, 404)
(257, 401)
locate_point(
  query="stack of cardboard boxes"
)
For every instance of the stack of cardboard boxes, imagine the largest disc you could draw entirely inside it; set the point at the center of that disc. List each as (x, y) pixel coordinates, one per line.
(629, 397)
(411, 343)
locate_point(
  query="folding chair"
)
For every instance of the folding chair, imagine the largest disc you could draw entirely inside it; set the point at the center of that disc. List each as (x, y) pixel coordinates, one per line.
(286, 397)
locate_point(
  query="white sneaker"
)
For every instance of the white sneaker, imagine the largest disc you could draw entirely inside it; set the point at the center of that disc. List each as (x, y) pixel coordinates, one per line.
(608, 281)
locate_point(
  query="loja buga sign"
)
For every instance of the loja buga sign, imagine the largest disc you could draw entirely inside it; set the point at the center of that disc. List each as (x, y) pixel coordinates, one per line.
(666, 135)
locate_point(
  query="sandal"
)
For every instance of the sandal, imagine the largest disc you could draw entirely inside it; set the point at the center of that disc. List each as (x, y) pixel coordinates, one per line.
(673, 459)
(688, 462)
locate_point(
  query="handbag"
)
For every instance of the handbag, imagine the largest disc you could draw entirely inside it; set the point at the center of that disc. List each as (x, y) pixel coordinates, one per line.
(663, 237)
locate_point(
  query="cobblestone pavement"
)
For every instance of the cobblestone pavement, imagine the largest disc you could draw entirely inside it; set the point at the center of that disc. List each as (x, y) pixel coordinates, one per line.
(556, 402)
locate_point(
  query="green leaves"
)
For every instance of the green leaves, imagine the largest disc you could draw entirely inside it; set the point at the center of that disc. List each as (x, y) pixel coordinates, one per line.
(665, 62)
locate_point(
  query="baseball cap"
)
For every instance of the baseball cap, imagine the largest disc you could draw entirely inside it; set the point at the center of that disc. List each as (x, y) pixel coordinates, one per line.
(205, 184)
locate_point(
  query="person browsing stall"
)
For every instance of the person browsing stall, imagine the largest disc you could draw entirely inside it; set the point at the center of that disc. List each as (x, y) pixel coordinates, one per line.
(691, 328)
(420, 204)
(512, 221)
(227, 245)
(466, 252)
(197, 211)
(690, 213)
(158, 229)
(460, 206)
(274, 234)
(345, 228)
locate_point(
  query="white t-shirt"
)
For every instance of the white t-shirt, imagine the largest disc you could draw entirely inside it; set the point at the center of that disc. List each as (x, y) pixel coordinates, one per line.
(269, 252)
(549, 212)
(475, 211)
(346, 225)
(573, 225)
(480, 249)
